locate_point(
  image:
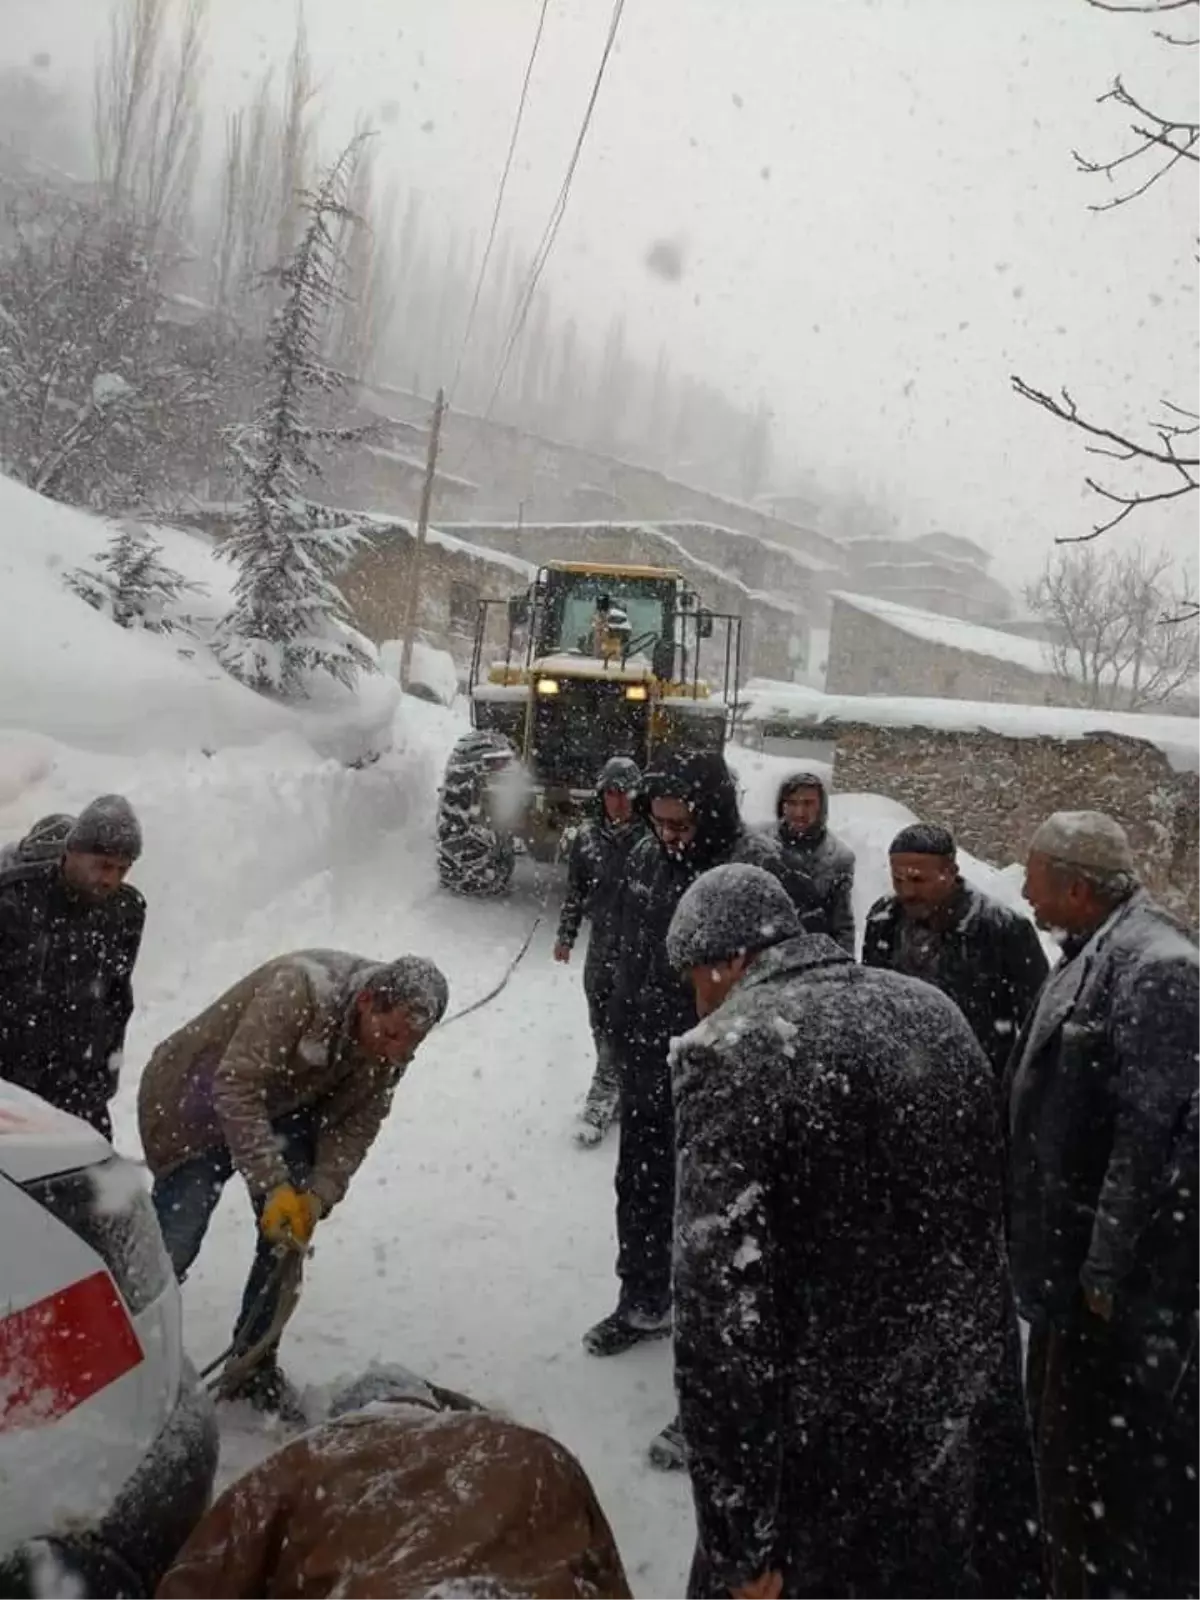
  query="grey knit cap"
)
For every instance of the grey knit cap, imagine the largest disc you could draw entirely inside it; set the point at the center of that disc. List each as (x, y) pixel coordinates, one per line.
(732, 910)
(620, 773)
(1086, 839)
(410, 981)
(108, 827)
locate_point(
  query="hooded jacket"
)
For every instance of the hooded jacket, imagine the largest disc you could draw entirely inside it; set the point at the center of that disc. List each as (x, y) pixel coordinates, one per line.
(651, 1002)
(820, 859)
(596, 866)
(1099, 1094)
(400, 1500)
(846, 1349)
(278, 1040)
(66, 989)
(988, 959)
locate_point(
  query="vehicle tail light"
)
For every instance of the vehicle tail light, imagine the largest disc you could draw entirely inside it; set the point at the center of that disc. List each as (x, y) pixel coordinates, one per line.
(107, 1207)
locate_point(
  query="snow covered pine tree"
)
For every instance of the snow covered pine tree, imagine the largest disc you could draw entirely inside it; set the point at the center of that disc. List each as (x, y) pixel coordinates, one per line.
(289, 616)
(133, 585)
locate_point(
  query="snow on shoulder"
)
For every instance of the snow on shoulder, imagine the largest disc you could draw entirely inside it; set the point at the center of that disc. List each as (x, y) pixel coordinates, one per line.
(765, 701)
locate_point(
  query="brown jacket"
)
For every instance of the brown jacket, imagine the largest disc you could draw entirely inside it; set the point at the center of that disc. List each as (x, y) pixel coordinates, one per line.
(278, 1040)
(399, 1500)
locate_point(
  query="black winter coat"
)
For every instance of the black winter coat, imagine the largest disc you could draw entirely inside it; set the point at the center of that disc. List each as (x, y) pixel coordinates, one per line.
(66, 965)
(820, 868)
(1099, 1095)
(822, 865)
(652, 1003)
(596, 866)
(846, 1346)
(989, 960)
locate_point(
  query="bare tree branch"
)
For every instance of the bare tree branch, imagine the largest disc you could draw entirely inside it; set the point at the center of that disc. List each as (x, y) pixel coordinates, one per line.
(1107, 614)
(1154, 133)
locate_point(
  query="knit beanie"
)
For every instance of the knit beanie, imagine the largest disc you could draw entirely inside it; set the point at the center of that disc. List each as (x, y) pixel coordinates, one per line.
(731, 910)
(108, 827)
(411, 981)
(1086, 839)
(923, 839)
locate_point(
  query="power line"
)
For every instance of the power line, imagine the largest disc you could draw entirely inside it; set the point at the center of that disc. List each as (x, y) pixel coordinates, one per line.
(556, 216)
(508, 160)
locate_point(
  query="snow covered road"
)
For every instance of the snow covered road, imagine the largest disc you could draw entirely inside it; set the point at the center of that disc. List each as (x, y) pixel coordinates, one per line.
(477, 1242)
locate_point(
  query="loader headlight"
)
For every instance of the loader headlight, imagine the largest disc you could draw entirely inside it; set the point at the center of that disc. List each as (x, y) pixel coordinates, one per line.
(547, 686)
(636, 691)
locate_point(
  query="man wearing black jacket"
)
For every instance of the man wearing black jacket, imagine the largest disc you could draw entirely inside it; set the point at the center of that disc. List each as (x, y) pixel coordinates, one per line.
(988, 959)
(1101, 1102)
(815, 855)
(691, 803)
(846, 1347)
(595, 868)
(70, 930)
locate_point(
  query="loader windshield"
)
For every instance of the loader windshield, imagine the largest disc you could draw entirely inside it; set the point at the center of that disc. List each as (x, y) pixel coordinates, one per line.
(589, 615)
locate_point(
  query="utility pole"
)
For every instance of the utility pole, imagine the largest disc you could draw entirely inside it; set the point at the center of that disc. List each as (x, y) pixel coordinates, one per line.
(418, 549)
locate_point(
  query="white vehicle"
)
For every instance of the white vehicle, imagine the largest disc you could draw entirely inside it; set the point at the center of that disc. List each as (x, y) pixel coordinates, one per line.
(108, 1445)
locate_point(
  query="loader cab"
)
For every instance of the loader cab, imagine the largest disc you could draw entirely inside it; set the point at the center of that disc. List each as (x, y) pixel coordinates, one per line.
(608, 615)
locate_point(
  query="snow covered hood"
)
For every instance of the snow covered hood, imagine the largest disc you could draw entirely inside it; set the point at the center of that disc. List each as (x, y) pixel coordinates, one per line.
(37, 1140)
(1177, 737)
(635, 670)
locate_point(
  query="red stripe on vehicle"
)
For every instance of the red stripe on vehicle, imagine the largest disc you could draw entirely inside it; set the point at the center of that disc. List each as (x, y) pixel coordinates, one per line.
(60, 1351)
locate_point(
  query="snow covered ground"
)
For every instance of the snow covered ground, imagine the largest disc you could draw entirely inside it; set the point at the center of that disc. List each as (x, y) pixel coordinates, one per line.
(476, 1244)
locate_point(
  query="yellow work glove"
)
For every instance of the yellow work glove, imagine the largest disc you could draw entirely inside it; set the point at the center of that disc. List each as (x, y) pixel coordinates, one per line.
(290, 1215)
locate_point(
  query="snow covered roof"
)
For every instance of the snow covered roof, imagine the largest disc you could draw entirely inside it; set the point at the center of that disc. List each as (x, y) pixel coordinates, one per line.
(971, 637)
(1177, 737)
(385, 523)
(415, 465)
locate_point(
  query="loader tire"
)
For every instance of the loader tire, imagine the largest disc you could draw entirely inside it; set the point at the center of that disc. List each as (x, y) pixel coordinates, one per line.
(473, 857)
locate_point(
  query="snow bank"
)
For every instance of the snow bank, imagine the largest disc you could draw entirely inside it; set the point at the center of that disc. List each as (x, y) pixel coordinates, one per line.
(764, 700)
(433, 670)
(69, 675)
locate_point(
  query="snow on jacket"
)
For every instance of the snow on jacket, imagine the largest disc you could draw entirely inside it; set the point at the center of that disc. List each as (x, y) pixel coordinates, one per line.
(596, 865)
(278, 1040)
(988, 959)
(398, 1501)
(846, 1349)
(66, 990)
(1099, 1094)
(819, 858)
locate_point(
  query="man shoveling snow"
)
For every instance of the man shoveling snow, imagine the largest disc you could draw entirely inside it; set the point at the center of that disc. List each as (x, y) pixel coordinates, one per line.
(406, 1490)
(286, 1079)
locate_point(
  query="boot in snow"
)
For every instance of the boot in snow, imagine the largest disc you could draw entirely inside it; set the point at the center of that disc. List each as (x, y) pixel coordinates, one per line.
(268, 1389)
(667, 1451)
(596, 1118)
(623, 1329)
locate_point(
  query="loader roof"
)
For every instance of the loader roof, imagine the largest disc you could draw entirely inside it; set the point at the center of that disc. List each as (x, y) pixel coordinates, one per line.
(614, 569)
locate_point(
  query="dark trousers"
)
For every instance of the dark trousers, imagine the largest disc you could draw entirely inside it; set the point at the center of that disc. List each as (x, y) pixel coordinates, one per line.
(186, 1198)
(1114, 1415)
(645, 1178)
(605, 1090)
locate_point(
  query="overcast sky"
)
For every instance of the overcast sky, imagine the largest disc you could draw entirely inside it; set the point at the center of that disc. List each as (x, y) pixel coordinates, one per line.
(876, 201)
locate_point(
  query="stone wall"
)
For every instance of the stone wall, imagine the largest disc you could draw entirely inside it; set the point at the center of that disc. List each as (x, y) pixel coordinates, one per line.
(993, 791)
(868, 656)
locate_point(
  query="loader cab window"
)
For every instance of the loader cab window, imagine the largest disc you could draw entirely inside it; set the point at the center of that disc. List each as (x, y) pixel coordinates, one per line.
(641, 613)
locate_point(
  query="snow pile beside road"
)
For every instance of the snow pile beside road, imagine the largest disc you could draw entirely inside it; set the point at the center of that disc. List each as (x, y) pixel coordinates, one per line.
(70, 674)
